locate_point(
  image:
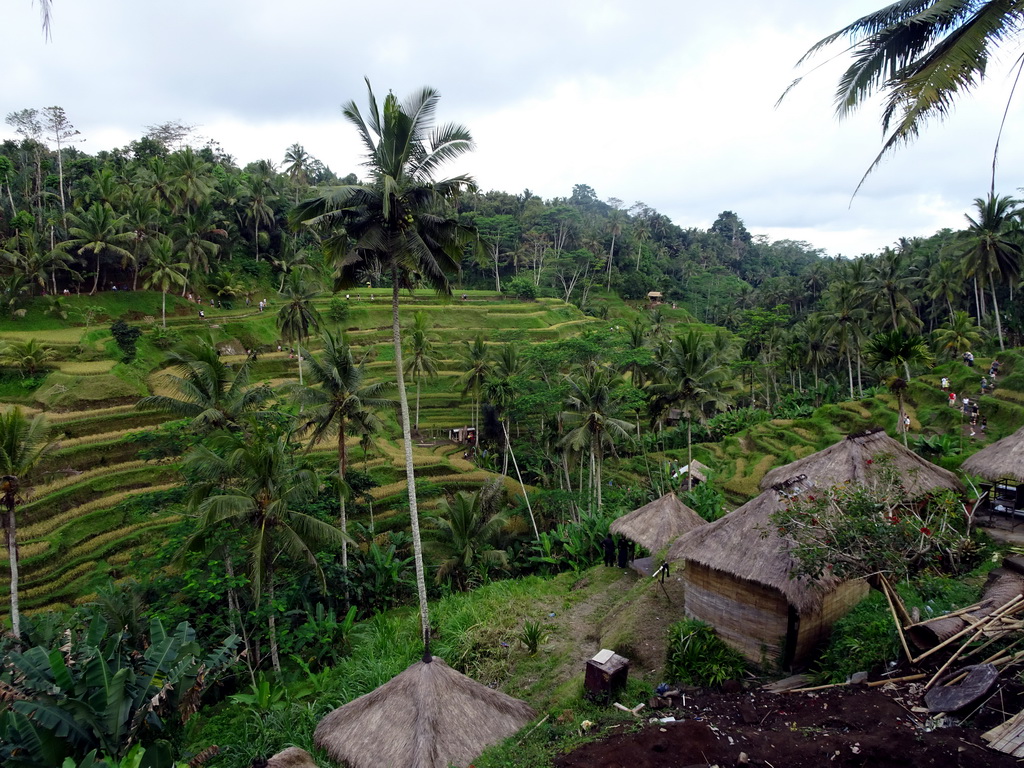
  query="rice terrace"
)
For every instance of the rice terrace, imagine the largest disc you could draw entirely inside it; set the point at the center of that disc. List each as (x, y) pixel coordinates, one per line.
(386, 470)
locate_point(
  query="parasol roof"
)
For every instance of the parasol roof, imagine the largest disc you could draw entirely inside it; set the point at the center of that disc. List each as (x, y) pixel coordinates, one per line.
(657, 524)
(429, 716)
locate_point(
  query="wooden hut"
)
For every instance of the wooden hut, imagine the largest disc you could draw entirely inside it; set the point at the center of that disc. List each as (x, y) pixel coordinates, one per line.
(1003, 464)
(850, 460)
(429, 716)
(1003, 459)
(738, 579)
(657, 524)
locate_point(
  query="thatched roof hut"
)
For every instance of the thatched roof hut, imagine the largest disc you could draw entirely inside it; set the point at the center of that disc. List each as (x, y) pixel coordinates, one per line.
(1004, 458)
(429, 716)
(737, 578)
(848, 461)
(657, 524)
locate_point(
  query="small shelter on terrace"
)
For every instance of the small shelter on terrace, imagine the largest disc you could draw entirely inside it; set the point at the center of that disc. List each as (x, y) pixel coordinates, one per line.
(848, 461)
(429, 716)
(738, 579)
(1003, 464)
(655, 525)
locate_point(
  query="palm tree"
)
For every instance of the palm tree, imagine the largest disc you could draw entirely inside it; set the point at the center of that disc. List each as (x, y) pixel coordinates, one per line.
(420, 362)
(843, 316)
(255, 483)
(97, 230)
(209, 392)
(891, 353)
(961, 334)
(163, 271)
(892, 283)
(23, 442)
(593, 402)
(299, 316)
(503, 387)
(401, 220)
(193, 180)
(476, 365)
(992, 246)
(339, 396)
(465, 528)
(194, 236)
(26, 356)
(258, 208)
(690, 380)
(298, 161)
(921, 56)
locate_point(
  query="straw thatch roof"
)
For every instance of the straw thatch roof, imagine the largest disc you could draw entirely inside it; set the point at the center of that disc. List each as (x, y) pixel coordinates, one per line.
(656, 524)
(429, 716)
(293, 757)
(1004, 458)
(847, 461)
(746, 545)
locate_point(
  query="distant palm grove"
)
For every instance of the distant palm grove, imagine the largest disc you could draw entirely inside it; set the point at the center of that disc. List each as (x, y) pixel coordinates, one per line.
(246, 412)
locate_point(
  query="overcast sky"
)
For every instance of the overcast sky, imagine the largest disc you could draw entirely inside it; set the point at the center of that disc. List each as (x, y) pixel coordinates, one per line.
(667, 102)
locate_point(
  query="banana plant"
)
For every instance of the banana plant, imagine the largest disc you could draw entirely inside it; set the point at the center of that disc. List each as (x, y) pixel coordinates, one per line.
(101, 691)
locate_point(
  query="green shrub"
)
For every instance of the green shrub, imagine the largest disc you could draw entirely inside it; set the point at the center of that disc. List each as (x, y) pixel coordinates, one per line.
(697, 656)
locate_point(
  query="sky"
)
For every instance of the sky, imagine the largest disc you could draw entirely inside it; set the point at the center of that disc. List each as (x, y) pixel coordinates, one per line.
(664, 102)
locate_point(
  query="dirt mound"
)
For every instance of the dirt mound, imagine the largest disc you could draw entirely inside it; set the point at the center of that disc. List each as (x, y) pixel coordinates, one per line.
(838, 727)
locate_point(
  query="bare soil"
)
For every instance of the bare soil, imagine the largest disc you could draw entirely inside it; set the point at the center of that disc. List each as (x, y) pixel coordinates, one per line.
(837, 727)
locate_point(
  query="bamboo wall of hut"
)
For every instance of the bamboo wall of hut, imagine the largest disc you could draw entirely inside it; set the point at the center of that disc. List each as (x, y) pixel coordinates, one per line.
(757, 619)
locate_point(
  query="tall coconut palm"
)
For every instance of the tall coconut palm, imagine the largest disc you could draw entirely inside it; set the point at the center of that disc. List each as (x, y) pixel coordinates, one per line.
(23, 442)
(402, 220)
(420, 363)
(476, 366)
(921, 56)
(690, 379)
(256, 483)
(338, 396)
(163, 271)
(299, 316)
(593, 426)
(503, 387)
(992, 246)
(298, 160)
(891, 353)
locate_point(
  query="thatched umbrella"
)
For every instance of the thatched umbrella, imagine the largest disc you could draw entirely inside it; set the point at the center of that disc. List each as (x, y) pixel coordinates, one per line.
(429, 716)
(746, 545)
(850, 460)
(657, 524)
(1004, 458)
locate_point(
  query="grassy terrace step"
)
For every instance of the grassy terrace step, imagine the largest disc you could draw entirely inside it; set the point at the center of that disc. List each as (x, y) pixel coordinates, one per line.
(88, 569)
(70, 495)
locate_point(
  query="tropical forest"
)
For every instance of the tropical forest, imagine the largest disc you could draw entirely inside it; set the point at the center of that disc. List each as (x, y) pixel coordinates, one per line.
(372, 467)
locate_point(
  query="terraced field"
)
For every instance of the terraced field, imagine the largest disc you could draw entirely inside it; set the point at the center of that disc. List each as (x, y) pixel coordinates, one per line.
(80, 525)
(83, 524)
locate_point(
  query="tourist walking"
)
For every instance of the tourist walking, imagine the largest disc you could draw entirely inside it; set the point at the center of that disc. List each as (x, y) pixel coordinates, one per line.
(945, 383)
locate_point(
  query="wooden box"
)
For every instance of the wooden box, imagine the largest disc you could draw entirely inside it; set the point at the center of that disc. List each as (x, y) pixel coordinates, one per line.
(605, 673)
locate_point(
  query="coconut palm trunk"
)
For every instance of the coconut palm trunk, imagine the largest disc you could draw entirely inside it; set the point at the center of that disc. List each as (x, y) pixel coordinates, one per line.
(342, 471)
(410, 476)
(11, 535)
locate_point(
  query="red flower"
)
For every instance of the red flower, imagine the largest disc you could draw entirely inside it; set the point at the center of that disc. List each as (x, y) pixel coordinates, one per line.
(926, 532)
(870, 461)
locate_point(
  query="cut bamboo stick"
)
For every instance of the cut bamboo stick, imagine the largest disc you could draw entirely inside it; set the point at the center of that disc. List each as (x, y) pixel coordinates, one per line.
(896, 619)
(905, 679)
(951, 615)
(969, 628)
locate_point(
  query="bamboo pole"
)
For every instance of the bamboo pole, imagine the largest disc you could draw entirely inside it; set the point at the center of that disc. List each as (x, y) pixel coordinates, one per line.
(951, 615)
(896, 619)
(981, 627)
(970, 627)
(905, 679)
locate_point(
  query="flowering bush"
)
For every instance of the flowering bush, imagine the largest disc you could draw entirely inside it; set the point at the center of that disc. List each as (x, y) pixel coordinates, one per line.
(854, 530)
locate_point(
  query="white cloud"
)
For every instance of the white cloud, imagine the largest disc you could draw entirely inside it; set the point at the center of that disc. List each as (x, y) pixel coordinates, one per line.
(669, 103)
